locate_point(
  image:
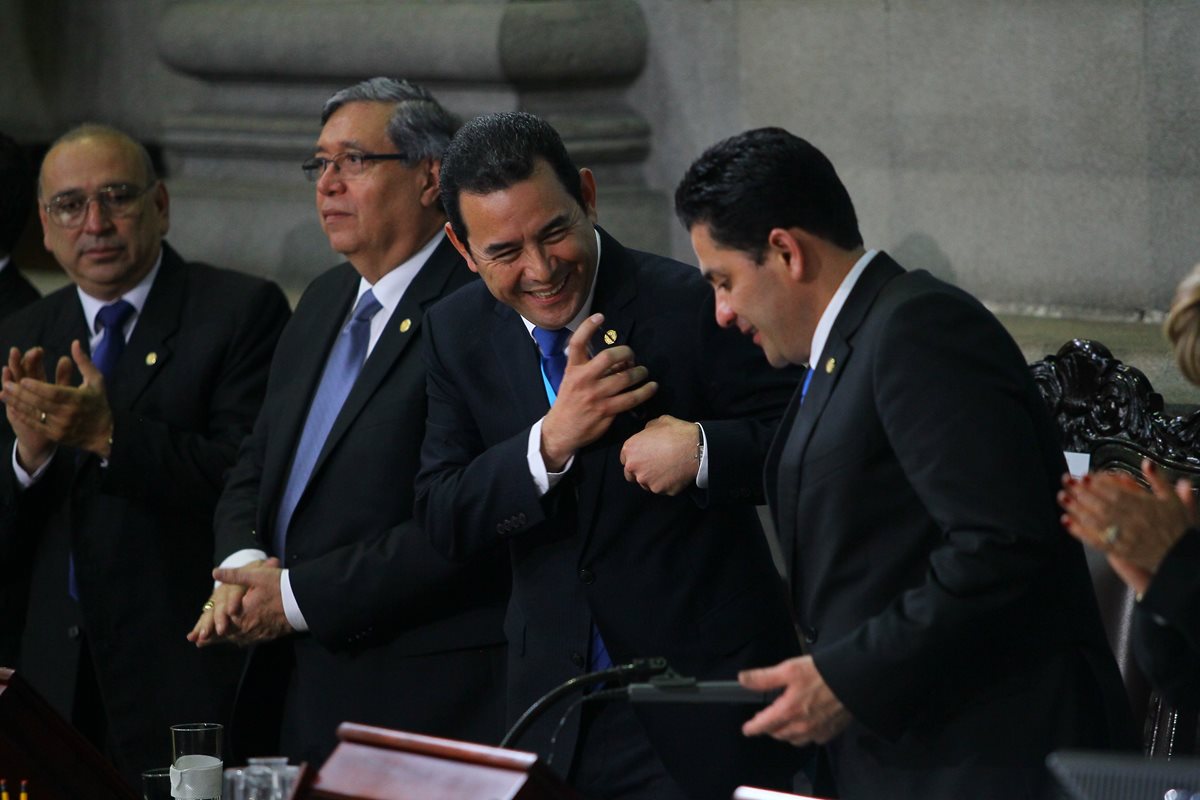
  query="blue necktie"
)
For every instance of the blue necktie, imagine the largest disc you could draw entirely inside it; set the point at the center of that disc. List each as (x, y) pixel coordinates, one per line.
(111, 320)
(341, 369)
(552, 345)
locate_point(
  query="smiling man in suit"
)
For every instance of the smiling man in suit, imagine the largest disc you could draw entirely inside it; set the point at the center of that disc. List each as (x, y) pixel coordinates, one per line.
(623, 484)
(357, 617)
(953, 632)
(113, 480)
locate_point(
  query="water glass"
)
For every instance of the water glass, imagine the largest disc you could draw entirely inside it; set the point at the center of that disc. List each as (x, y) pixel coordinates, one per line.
(156, 784)
(196, 768)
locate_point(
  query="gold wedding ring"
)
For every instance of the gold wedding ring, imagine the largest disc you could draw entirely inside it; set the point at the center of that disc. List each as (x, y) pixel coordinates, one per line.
(1111, 534)
(208, 606)
(42, 418)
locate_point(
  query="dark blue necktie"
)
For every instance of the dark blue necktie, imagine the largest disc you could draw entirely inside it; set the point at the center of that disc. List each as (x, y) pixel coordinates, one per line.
(111, 321)
(341, 369)
(552, 345)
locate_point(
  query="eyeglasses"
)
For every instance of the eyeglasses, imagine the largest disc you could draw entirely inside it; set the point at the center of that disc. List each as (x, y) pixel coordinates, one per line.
(350, 165)
(117, 201)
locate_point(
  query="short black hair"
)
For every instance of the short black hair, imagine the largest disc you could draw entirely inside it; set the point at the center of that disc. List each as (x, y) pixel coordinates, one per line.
(16, 192)
(494, 151)
(766, 178)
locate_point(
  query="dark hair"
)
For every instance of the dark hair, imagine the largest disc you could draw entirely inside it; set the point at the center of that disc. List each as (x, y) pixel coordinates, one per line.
(766, 178)
(16, 193)
(419, 127)
(495, 151)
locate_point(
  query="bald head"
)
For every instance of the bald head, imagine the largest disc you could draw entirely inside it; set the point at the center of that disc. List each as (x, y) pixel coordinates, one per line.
(103, 211)
(96, 131)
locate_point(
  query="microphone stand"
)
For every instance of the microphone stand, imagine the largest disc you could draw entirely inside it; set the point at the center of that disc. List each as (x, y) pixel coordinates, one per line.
(638, 669)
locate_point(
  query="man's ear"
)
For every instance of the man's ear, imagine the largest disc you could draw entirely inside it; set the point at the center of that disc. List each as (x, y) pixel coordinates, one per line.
(461, 247)
(429, 192)
(786, 245)
(587, 188)
(162, 207)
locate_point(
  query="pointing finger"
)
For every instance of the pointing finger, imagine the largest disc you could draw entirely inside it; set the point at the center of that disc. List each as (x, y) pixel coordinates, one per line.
(577, 347)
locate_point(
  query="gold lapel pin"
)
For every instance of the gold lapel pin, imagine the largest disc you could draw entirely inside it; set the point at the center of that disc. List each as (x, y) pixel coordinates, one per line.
(151, 359)
(830, 365)
(610, 336)
(405, 324)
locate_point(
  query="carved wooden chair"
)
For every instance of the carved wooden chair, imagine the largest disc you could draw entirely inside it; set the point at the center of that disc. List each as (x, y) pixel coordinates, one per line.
(1108, 409)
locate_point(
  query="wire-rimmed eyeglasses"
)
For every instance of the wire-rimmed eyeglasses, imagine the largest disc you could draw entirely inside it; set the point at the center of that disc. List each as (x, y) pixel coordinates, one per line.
(350, 164)
(119, 200)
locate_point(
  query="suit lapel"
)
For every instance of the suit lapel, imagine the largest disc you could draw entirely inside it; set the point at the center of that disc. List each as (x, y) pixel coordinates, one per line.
(315, 333)
(149, 348)
(396, 339)
(616, 290)
(805, 416)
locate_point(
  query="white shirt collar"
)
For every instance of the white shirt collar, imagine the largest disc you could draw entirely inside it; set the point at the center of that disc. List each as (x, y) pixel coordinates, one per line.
(136, 297)
(584, 310)
(829, 315)
(389, 290)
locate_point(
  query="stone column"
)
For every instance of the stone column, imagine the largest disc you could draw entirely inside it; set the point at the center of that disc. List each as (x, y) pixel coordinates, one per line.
(264, 68)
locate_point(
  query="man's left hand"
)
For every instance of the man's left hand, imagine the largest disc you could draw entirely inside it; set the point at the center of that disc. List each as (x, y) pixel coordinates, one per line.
(74, 416)
(261, 618)
(662, 457)
(807, 712)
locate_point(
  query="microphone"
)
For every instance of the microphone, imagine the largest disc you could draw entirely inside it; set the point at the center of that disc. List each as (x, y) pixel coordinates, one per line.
(678, 689)
(640, 669)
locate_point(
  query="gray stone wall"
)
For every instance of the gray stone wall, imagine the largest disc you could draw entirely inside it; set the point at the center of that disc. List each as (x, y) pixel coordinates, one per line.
(1044, 155)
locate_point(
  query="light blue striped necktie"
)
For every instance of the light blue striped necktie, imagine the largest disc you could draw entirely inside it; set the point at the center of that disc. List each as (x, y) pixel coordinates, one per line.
(341, 370)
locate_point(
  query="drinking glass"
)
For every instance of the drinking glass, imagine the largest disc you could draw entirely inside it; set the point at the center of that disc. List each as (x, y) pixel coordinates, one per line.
(196, 769)
(156, 784)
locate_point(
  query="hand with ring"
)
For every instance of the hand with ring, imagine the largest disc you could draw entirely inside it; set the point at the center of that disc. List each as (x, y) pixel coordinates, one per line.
(1134, 527)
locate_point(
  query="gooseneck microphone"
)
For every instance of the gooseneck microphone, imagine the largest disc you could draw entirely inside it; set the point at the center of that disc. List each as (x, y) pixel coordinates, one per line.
(657, 683)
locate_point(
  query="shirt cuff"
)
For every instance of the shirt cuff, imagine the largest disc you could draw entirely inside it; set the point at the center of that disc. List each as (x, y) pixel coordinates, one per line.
(291, 609)
(24, 478)
(544, 480)
(702, 473)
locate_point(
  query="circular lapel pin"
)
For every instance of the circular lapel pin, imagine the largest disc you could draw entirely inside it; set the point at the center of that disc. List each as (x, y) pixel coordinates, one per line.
(610, 336)
(405, 324)
(829, 365)
(151, 359)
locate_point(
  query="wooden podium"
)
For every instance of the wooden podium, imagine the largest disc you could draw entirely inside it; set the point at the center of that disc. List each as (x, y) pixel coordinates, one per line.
(380, 764)
(38, 745)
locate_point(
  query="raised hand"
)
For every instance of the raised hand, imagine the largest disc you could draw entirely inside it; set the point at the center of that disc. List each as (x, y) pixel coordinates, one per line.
(594, 390)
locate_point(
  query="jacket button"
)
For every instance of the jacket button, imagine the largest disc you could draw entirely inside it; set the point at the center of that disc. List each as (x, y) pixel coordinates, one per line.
(73, 632)
(586, 576)
(810, 636)
(577, 659)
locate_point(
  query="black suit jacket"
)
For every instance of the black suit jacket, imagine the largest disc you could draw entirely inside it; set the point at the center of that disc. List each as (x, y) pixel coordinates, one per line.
(1166, 628)
(183, 395)
(399, 636)
(687, 577)
(914, 494)
(15, 291)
